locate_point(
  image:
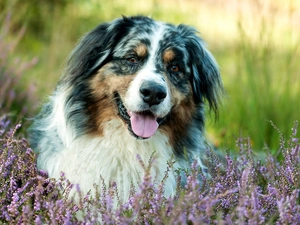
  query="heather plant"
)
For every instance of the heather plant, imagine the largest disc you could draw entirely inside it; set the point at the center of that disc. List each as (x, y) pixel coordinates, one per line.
(242, 189)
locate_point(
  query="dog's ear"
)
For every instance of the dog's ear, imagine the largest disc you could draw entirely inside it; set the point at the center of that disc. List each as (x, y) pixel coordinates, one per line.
(95, 48)
(205, 76)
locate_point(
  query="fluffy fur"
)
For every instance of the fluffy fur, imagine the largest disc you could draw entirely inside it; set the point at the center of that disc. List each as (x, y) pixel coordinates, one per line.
(124, 79)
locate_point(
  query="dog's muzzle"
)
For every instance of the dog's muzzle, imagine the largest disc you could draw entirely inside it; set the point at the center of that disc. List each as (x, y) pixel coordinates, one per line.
(152, 93)
(143, 124)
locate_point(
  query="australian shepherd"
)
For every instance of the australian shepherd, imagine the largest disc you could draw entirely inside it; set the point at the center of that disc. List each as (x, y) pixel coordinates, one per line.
(132, 87)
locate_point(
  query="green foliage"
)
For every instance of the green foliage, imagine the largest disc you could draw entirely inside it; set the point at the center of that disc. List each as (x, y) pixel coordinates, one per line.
(16, 98)
(265, 87)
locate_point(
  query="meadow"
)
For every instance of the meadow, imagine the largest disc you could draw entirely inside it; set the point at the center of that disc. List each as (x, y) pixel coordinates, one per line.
(257, 46)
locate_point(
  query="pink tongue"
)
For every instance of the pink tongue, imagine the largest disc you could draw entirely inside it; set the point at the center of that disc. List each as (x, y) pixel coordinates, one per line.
(143, 125)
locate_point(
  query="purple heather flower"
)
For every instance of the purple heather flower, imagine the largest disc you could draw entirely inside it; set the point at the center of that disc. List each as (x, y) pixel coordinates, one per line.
(13, 207)
(38, 220)
(243, 191)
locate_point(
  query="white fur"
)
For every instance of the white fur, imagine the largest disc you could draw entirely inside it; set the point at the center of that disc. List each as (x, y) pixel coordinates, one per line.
(56, 124)
(133, 100)
(114, 158)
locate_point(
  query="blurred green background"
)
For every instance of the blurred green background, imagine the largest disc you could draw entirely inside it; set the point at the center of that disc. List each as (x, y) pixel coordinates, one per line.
(256, 43)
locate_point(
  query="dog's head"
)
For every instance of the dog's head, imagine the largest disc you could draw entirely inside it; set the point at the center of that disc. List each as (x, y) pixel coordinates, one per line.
(142, 71)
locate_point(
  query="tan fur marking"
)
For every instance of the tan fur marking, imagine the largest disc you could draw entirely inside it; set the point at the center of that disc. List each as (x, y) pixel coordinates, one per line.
(168, 55)
(141, 50)
(104, 84)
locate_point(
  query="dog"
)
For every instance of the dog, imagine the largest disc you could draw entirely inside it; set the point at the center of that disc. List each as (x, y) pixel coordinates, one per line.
(133, 89)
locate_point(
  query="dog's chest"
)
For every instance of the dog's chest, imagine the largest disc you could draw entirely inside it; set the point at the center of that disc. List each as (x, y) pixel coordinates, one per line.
(115, 157)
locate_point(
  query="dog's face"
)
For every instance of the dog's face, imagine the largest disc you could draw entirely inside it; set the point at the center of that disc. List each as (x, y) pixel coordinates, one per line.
(145, 73)
(147, 76)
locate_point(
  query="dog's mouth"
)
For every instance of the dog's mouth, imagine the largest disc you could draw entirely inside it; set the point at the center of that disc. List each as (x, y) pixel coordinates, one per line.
(141, 125)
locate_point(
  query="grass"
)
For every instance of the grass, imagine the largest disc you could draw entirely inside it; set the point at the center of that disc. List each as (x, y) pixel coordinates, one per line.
(265, 86)
(255, 42)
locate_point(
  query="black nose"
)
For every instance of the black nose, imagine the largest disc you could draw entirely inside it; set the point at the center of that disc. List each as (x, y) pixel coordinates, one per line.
(152, 93)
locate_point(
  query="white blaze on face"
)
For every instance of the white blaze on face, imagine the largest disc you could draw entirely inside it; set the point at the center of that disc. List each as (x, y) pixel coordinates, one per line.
(145, 125)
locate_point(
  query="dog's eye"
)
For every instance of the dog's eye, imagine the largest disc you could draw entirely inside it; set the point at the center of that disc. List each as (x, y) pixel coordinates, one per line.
(132, 60)
(174, 68)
